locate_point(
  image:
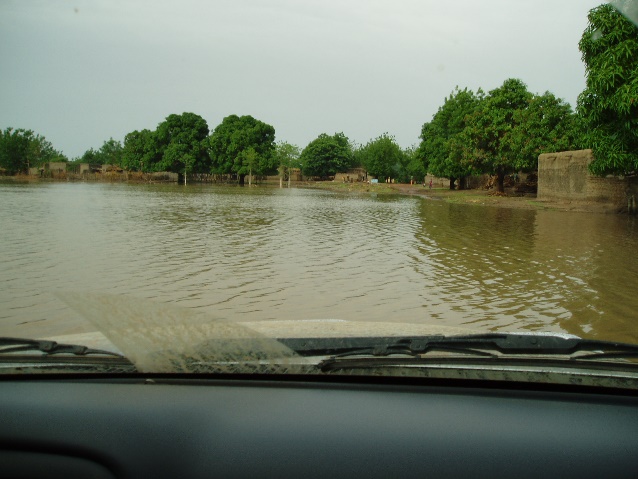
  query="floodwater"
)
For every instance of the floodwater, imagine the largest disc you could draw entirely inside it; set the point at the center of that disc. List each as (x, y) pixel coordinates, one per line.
(248, 254)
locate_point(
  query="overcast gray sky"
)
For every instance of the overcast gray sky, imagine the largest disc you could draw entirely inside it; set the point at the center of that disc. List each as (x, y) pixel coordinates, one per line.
(79, 72)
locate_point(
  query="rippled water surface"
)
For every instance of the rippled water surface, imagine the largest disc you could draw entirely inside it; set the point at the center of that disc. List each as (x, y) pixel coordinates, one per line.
(262, 254)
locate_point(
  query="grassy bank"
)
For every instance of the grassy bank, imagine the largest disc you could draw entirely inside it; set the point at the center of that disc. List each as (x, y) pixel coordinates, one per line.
(479, 197)
(381, 188)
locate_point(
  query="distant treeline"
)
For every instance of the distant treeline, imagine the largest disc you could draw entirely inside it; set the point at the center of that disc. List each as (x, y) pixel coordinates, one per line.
(498, 132)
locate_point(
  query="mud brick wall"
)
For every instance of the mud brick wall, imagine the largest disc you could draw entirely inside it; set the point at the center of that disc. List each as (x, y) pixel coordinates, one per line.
(565, 176)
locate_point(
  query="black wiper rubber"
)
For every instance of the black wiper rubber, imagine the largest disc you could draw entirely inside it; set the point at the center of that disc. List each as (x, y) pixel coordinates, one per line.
(369, 346)
(16, 345)
(483, 345)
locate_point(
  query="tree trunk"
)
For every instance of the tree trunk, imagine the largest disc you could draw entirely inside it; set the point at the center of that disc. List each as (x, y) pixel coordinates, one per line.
(462, 183)
(452, 180)
(241, 179)
(500, 181)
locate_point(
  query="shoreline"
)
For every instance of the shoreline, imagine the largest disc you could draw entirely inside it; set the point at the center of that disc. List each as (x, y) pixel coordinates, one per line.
(476, 197)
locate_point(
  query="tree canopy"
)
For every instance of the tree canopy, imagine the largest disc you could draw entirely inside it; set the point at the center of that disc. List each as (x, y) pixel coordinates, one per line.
(383, 157)
(485, 143)
(415, 167)
(287, 156)
(22, 149)
(510, 127)
(609, 103)
(140, 151)
(437, 137)
(182, 141)
(546, 125)
(242, 145)
(178, 145)
(327, 155)
(110, 153)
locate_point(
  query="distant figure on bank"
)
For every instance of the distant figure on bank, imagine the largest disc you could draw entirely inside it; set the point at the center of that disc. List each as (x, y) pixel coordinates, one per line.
(430, 184)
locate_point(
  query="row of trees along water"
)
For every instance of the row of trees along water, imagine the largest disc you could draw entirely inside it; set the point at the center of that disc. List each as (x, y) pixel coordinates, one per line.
(496, 132)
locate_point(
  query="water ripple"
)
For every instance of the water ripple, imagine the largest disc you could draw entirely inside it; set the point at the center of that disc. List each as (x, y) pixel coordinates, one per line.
(253, 254)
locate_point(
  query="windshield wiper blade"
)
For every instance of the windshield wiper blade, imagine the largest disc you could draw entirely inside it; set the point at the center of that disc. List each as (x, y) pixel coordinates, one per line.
(492, 345)
(367, 346)
(538, 344)
(17, 345)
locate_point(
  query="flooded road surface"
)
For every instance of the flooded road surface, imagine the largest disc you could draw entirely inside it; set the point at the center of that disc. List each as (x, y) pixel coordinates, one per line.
(248, 254)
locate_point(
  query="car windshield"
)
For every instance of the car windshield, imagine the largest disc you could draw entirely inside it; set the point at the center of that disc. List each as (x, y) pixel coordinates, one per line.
(319, 187)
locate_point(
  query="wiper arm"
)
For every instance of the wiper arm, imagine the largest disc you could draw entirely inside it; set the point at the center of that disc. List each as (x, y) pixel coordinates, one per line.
(536, 344)
(491, 345)
(16, 345)
(379, 346)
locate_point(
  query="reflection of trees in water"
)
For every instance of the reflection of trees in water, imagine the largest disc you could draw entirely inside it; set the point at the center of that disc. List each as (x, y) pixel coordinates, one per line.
(475, 262)
(492, 231)
(481, 271)
(590, 258)
(291, 254)
(534, 270)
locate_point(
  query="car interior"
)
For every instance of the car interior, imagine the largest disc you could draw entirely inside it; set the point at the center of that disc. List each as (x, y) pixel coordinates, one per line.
(311, 426)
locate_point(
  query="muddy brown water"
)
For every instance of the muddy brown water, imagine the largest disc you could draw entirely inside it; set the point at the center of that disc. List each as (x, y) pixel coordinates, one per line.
(250, 254)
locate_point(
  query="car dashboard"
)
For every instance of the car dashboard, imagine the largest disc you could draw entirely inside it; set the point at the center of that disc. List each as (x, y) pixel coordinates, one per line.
(326, 426)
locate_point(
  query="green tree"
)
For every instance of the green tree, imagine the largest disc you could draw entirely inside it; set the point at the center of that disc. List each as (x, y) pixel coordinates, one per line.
(546, 125)
(415, 166)
(140, 151)
(111, 152)
(383, 158)
(248, 159)
(327, 155)
(41, 151)
(609, 103)
(14, 150)
(287, 156)
(230, 142)
(182, 141)
(437, 150)
(510, 127)
(22, 149)
(485, 143)
(92, 157)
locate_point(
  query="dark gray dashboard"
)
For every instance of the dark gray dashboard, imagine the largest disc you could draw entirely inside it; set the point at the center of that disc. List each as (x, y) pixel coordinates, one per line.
(241, 428)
